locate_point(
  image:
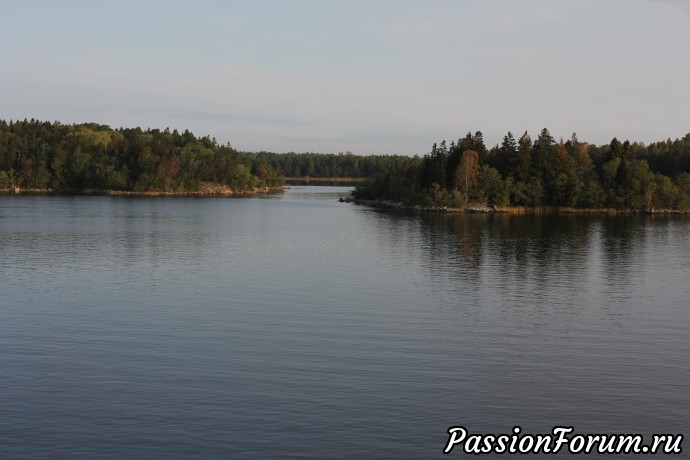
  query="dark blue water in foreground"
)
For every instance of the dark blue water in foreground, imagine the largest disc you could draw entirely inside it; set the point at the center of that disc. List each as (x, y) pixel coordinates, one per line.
(298, 327)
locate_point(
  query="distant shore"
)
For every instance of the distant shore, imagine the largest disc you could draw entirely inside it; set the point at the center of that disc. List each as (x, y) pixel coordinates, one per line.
(334, 181)
(482, 209)
(325, 179)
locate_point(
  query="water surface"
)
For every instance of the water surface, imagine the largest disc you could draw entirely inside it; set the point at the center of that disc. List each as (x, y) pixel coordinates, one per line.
(294, 326)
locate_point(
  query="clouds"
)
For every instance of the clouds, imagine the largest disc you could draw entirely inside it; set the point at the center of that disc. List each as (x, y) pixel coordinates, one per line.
(195, 115)
(682, 4)
(433, 27)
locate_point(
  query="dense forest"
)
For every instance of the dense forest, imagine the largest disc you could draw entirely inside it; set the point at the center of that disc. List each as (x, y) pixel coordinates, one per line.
(74, 158)
(342, 165)
(518, 172)
(543, 172)
(81, 157)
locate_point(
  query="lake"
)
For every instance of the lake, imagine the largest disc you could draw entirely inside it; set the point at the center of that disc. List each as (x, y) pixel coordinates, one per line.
(294, 326)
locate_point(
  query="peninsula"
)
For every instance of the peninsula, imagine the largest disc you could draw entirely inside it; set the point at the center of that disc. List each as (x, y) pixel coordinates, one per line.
(543, 175)
(96, 159)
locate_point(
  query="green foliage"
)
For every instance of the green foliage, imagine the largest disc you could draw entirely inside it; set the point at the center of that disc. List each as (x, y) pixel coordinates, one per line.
(623, 175)
(341, 165)
(638, 184)
(35, 154)
(492, 190)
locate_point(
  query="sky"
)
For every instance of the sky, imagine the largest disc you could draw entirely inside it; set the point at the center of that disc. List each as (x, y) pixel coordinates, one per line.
(367, 76)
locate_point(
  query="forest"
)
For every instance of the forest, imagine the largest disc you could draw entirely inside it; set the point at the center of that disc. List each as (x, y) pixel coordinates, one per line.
(91, 157)
(539, 173)
(39, 155)
(341, 165)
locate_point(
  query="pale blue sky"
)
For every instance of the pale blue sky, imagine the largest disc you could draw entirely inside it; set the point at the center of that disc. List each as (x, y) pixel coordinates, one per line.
(366, 76)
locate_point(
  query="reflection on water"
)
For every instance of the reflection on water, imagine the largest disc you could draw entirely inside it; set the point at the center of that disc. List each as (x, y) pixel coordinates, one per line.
(580, 319)
(294, 326)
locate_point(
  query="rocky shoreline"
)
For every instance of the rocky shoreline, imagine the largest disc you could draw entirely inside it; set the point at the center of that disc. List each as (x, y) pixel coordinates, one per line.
(483, 209)
(205, 190)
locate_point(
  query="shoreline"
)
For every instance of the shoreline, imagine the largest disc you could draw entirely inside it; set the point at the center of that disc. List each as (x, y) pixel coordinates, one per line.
(515, 210)
(206, 191)
(326, 179)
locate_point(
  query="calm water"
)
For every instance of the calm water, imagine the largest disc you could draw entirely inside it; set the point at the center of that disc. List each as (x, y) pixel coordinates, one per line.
(298, 327)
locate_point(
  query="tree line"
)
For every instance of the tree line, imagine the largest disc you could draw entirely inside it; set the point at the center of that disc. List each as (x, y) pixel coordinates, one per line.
(42, 155)
(325, 165)
(542, 172)
(520, 171)
(72, 158)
